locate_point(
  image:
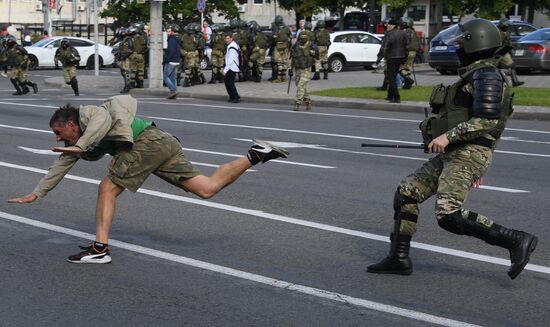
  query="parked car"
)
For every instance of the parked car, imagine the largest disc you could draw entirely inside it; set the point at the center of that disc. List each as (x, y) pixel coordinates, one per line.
(356, 21)
(352, 48)
(443, 56)
(532, 52)
(41, 54)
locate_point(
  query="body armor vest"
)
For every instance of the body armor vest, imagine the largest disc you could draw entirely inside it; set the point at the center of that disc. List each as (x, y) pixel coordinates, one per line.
(188, 42)
(260, 40)
(413, 40)
(218, 42)
(16, 56)
(68, 56)
(283, 35)
(139, 45)
(302, 57)
(447, 115)
(323, 38)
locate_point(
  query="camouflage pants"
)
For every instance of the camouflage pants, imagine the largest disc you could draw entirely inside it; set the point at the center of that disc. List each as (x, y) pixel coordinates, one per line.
(405, 68)
(302, 79)
(69, 72)
(124, 66)
(154, 152)
(192, 63)
(449, 176)
(19, 74)
(280, 57)
(257, 60)
(137, 67)
(218, 62)
(323, 59)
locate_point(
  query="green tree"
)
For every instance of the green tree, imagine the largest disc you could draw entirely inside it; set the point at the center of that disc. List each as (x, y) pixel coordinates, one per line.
(531, 6)
(301, 8)
(488, 9)
(182, 12)
(339, 6)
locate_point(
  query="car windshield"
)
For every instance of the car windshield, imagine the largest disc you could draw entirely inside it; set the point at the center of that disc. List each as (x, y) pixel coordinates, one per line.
(42, 42)
(543, 34)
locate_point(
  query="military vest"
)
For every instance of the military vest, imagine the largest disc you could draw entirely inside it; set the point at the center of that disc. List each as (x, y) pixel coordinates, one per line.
(188, 42)
(138, 43)
(16, 56)
(243, 38)
(447, 115)
(301, 56)
(323, 38)
(218, 41)
(68, 56)
(283, 34)
(124, 48)
(260, 40)
(414, 43)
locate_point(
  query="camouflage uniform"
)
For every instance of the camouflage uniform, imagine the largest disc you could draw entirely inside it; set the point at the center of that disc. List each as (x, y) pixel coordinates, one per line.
(243, 40)
(69, 58)
(405, 68)
(137, 59)
(190, 52)
(322, 40)
(16, 57)
(302, 61)
(218, 59)
(123, 61)
(280, 52)
(257, 57)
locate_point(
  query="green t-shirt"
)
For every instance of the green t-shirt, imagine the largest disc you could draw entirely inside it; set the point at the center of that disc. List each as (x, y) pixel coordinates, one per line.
(138, 125)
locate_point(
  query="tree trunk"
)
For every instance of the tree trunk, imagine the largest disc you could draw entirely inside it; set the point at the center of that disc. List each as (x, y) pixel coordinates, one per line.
(341, 12)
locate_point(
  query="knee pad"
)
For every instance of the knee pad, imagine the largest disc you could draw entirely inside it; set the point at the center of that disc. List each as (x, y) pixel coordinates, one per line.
(399, 200)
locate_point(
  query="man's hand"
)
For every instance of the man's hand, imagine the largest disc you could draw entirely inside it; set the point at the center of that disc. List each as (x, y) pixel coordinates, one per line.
(25, 199)
(438, 144)
(67, 149)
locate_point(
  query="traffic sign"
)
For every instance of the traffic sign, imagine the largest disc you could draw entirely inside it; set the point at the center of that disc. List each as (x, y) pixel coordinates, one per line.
(201, 5)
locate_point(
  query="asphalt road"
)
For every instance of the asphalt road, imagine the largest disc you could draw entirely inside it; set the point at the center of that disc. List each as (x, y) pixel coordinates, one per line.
(285, 245)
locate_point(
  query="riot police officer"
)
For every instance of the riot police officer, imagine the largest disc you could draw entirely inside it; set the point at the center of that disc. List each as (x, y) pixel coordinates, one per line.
(123, 62)
(257, 57)
(69, 58)
(469, 118)
(407, 25)
(322, 40)
(302, 55)
(17, 58)
(218, 45)
(280, 54)
(138, 48)
(506, 61)
(190, 52)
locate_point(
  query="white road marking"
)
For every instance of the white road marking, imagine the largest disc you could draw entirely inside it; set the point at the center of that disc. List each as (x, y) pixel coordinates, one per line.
(27, 129)
(28, 105)
(524, 154)
(295, 221)
(527, 130)
(517, 139)
(503, 189)
(277, 283)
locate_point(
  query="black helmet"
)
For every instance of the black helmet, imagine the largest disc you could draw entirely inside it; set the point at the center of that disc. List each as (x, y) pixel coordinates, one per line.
(234, 23)
(407, 22)
(308, 26)
(64, 42)
(11, 41)
(504, 24)
(321, 24)
(279, 20)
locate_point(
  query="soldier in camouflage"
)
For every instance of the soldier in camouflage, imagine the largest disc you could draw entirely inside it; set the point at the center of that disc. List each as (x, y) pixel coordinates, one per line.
(470, 116)
(302, 55)
(243, 40)
(16, 57)
(322, 40)
(407, 24)
(122, 58)
(257, 57)
(138, 48)
(506, 61)
(280, 54)
(190, 53)
(69, 58)
(218, 51)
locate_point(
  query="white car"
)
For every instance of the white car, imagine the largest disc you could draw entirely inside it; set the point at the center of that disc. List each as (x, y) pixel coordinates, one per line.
(352, 48)
(41, 53)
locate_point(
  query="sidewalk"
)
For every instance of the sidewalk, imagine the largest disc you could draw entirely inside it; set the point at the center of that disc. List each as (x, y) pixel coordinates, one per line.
(276, 93)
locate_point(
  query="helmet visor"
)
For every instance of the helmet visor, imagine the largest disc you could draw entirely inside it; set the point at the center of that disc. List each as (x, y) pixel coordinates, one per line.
(453, 35)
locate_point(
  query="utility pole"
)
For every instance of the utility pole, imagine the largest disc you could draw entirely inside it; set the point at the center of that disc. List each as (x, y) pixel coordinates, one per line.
(96, 40)
(155, 49)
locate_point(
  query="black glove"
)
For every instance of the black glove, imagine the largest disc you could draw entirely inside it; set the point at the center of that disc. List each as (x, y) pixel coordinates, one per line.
(290, 72)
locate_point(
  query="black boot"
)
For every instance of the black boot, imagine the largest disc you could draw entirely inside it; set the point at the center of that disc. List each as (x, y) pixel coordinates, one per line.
(408, 83)
(74, 86)
(186, 82)
(139, 84)
(514, 76)
(398, 261)
(273, 72)
(316, 77)
(325, 74)
(33, 85)
(24, 89)
(17, 87)
(213, 79)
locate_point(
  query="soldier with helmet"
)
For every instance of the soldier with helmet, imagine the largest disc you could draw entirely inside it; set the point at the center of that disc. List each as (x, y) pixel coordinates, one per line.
(469, 118)
(190, 52)
(243, 40)
(322, 40)
(506, 61)
(138, 48)
(380, 56)
(257, 57)
(218, 45)
(302, 55)
(280, 54)
(407, 25)
(308, 31)
(122, 60)
(69, 58)
(16, 57)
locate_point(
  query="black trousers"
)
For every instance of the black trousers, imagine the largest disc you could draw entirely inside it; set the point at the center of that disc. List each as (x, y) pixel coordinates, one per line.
(392, 70)
(229, 82)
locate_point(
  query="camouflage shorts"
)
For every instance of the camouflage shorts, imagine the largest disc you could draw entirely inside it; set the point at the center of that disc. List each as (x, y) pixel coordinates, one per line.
(156, 152)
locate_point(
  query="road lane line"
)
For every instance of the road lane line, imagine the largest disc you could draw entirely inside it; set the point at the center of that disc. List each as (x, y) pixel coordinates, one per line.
(277, 283)
(299, 222)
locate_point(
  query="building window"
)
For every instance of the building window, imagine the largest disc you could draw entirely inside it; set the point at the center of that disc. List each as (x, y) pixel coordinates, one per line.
(258, 2)
(417, 13)
(242, 2)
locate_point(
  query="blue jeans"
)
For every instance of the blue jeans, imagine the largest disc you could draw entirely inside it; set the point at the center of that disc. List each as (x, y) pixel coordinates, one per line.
(169, 76)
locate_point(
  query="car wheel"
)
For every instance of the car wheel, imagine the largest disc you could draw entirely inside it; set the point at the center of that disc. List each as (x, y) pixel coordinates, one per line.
(90, 62)
(204, 63)
(33, 63)
(336, 64)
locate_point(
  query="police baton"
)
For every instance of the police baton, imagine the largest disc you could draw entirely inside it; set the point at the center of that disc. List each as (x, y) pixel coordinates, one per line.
(393, 146)
(290, 74)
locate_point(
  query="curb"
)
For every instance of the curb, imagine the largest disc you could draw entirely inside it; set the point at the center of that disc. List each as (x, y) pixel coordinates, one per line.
(520, 112)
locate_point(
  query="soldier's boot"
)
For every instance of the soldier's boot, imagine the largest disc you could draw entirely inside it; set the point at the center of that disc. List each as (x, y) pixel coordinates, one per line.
(186, 82)
(139, 84)
(514, 76)
(408, 83)
(325, 74)
(213, 79)
(308, 104)
(519, 244)
(397, 262)
(74, 86)
(126, 87)
(24, 88)
(17, 87)
(31, 84)
(202, 79)
(316, 76)
(296, 106)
